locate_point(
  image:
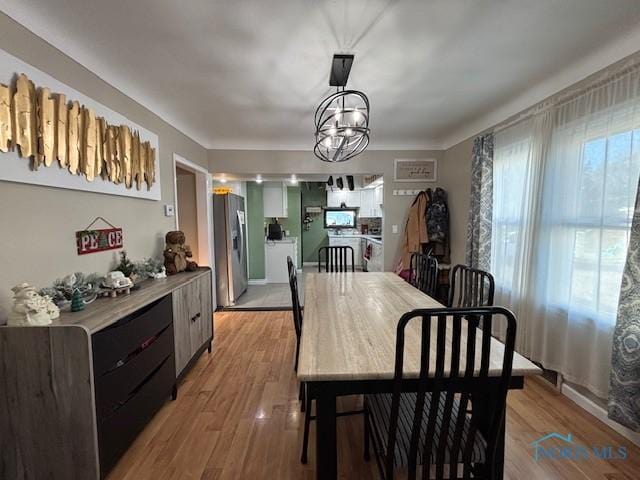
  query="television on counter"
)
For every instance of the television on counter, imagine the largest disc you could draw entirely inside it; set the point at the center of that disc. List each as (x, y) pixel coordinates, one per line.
(340, 217)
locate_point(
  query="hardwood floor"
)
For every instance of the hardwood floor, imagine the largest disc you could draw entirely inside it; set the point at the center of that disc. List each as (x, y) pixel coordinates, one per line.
(237, 416)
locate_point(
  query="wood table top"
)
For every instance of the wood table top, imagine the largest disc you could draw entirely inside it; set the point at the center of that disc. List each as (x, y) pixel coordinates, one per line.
(349, 329)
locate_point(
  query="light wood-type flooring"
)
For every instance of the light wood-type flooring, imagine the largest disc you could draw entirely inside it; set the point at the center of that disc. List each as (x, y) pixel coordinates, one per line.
(237, 417)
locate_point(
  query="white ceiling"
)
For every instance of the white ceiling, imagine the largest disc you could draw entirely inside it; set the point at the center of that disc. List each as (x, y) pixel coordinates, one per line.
(248, 74)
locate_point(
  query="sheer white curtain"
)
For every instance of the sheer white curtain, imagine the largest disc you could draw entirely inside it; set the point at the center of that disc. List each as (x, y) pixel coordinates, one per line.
(564, 191)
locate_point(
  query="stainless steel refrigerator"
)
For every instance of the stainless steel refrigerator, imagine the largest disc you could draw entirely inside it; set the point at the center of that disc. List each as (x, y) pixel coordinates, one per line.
(230, 233)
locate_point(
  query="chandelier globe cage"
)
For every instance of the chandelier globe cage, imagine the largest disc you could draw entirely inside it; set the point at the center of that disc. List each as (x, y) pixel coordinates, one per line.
(342, 125)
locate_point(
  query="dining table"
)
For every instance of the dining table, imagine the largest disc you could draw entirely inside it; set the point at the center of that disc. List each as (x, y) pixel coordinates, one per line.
(348, 343)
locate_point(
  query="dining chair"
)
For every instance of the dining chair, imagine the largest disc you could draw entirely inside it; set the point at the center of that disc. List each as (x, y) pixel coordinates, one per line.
(470, 287)
(423, 273)
(306, 401)
(296, 308)
(434, 422)
(336, 259)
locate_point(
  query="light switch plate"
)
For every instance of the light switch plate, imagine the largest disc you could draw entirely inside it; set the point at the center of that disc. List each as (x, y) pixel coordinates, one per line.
(394, 228)
(169, 211)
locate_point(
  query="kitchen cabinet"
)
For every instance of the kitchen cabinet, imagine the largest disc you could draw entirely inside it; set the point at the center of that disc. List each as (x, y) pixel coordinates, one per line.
(378, 200)
(275, 254)
(374, 264)
(368, 207)
(274, 197)
(335, 198)
(353, 198)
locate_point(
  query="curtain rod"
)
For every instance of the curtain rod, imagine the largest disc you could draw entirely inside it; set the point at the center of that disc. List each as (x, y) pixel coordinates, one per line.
(617, 70)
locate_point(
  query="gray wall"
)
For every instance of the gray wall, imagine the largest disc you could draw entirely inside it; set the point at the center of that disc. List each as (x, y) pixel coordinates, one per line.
(456, 179)
(371, 161)
(39, 223)
(187, 209)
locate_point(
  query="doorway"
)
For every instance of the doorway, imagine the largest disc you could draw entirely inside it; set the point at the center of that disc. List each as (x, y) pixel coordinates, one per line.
(193, 202)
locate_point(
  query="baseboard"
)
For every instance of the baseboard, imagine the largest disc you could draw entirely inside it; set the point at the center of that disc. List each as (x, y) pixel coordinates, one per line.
(257, 281)
(309, 264)
(600, 413)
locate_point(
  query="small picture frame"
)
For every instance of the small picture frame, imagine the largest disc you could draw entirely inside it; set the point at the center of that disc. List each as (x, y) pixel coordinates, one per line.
(416, 170)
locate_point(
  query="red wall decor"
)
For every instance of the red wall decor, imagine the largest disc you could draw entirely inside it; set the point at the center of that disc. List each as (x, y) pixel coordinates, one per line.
(98, 240)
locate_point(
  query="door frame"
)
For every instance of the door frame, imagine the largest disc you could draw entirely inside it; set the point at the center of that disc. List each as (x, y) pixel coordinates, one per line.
(204, 212)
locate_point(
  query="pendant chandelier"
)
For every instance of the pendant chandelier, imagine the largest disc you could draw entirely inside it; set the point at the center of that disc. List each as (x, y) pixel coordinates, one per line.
(341, 119)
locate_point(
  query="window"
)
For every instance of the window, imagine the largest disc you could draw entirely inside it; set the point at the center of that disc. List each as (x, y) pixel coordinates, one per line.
(590, 208)
(564, 191)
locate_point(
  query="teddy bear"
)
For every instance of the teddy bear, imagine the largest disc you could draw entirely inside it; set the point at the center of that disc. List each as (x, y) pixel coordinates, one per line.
(177, 254)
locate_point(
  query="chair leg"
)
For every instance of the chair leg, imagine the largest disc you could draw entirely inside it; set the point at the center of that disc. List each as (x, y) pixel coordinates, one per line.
(367, 434)
(307, 422)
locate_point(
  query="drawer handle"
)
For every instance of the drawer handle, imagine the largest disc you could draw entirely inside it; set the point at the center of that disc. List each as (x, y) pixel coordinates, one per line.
(195, 317)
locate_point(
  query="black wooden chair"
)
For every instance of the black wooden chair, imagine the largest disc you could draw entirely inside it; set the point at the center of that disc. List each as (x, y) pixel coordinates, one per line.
(295, 304)
(306, 402)
(452, 415)
(336, 259)
(470, 287)
(423, 273)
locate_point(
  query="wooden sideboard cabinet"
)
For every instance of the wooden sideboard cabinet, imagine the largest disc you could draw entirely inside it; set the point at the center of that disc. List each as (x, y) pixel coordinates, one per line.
(192, 321)
(76, 393)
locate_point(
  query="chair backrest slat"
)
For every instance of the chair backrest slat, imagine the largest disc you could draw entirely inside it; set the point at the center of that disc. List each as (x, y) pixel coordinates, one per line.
(470, 287)
(423, 273)
(336, 259)
(447, 391)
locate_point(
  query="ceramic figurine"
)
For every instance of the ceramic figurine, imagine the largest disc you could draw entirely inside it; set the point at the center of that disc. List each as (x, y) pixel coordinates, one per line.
(29, 308)
(116, 279)
(161, 274)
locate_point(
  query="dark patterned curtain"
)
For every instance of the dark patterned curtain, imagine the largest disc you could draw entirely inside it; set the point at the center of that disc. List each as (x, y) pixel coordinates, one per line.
(478, 251)
(624, 389)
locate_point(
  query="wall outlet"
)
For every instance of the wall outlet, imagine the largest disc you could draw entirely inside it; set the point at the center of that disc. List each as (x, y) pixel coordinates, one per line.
(169, 211)
(394, 228)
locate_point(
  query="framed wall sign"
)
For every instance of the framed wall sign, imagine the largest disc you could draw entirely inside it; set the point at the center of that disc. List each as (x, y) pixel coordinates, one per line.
(416, 170)
(91, 240)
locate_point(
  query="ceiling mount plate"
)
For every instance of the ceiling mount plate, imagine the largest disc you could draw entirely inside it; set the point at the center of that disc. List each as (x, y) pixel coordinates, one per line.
(340, 68)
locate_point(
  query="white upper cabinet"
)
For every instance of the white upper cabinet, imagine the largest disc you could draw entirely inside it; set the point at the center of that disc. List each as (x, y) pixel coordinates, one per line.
(274, 198)
(367, 205)
(369, 200)
(378, 198)
(335, 198)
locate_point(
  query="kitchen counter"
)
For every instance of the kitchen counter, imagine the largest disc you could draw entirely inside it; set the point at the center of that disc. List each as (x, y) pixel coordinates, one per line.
(276, 253)
(371, 238)
(284, 240)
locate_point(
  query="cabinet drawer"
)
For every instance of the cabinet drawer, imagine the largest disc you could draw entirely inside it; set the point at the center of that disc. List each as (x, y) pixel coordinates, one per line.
(114, 387)
(115, 343)
(116, 432)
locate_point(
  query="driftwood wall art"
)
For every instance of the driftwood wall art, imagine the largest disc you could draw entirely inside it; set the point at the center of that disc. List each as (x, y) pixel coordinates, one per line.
(43, 127)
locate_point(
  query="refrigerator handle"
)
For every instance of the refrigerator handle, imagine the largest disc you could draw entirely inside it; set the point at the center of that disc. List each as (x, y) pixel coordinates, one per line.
(241, 231)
